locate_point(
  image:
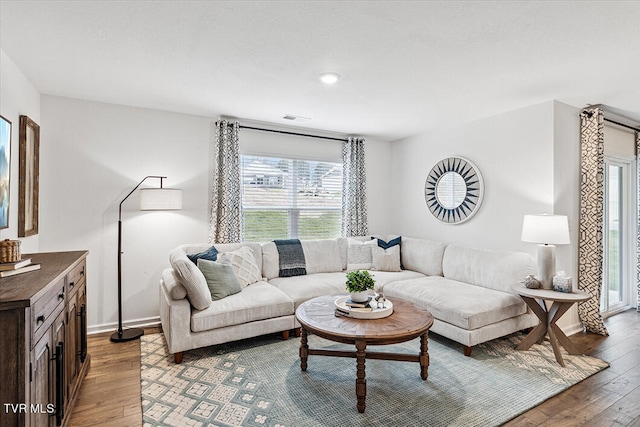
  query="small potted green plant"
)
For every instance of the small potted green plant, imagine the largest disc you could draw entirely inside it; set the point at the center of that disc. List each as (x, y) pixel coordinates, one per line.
(359, 282)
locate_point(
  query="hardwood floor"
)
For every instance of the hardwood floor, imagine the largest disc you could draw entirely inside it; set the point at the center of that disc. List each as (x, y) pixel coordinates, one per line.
(110, 394)
(609, 398)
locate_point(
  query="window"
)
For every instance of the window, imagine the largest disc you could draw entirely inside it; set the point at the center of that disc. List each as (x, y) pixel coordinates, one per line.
(290, 198)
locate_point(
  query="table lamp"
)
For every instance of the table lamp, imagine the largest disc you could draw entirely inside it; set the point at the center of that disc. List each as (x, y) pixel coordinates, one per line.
(548, 231)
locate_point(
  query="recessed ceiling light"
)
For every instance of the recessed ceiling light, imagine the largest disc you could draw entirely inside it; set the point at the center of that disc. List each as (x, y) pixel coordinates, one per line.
(329, 78)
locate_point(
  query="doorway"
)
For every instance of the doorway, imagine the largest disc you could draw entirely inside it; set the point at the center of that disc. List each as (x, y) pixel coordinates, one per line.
(619, 260)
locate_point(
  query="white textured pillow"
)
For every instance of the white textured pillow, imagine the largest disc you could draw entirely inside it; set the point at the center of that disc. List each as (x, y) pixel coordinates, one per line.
(386, 259)
(359, 255)
(244, 265)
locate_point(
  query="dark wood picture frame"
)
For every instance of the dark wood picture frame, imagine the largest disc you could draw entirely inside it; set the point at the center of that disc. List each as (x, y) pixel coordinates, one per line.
(29, 177)
(5, 171)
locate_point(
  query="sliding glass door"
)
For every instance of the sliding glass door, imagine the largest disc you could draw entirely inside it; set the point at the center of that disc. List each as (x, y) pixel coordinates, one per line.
(616, 288)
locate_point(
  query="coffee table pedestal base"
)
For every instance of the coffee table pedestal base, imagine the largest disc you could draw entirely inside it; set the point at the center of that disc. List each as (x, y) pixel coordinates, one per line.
(361, 355)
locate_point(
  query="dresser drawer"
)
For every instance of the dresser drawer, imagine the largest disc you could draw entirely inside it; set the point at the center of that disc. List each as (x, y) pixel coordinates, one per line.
(76, 277)
(45, 309)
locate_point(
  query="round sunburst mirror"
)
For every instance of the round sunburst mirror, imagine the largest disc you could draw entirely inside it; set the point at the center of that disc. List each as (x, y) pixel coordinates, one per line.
(453, 190)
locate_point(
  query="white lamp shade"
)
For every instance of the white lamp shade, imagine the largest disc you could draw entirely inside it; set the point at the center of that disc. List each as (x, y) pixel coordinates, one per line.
(160, 199)
(546, 229)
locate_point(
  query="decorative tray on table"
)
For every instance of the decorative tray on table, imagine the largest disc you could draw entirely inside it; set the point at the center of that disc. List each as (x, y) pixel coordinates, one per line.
(369, 310)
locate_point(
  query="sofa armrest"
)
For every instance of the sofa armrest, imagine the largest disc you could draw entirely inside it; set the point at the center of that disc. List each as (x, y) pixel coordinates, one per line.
(172, 285)
(175, 316)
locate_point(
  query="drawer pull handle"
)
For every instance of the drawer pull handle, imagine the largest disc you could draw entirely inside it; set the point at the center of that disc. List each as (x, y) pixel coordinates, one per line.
(82, 272)
(40, 319)
(72, 284)
(61, 296)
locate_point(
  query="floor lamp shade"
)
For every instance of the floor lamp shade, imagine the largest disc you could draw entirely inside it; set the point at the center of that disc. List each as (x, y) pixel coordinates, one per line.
(150, 199)
(548, 231)
(160, 199)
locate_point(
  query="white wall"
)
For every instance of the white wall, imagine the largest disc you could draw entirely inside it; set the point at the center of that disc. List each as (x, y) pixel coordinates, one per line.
(529, 159)
(566, 194)
(91, 156)
(18, 97)
(514, 153)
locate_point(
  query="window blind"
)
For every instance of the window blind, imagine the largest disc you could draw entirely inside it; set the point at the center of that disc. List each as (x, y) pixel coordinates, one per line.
(290, 198)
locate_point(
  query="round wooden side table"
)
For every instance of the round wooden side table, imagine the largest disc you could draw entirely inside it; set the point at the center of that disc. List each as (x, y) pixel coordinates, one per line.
(561, 302)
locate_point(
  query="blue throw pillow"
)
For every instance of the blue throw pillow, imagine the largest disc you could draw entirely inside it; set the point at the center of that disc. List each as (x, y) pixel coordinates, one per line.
(210, 254)
(390, 243)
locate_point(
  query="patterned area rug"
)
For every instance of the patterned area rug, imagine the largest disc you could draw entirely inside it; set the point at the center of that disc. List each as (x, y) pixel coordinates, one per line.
(258, 382)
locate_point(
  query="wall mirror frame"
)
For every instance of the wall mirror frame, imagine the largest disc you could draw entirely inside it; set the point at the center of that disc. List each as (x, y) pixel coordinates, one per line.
(454, 190)
(29, 177)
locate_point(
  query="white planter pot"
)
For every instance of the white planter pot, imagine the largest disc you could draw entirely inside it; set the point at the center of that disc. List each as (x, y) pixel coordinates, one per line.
(359, 296)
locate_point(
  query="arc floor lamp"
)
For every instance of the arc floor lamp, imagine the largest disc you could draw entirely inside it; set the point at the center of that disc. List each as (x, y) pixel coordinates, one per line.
(151, 199)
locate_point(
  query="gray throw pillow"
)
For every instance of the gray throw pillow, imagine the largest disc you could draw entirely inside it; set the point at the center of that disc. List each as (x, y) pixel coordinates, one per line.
(221, 279)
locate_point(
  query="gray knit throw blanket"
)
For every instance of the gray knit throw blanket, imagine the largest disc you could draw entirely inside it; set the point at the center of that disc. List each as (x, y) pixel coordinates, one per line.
(292, 261)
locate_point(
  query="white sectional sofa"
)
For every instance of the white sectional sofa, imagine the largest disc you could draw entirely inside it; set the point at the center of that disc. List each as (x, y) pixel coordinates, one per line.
(468, 290)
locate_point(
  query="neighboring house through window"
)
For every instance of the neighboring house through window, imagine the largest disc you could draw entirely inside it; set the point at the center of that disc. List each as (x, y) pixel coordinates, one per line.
(290, 198)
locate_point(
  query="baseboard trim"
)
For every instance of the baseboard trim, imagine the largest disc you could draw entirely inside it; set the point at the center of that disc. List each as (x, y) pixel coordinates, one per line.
(577, 328)
(110, 327)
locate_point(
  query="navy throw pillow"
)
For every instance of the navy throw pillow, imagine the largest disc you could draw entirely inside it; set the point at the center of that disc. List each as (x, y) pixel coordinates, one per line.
(390, 243)
(211, 254)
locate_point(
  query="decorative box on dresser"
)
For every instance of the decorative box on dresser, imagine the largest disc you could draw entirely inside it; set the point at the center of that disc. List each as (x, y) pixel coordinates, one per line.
(43, 340)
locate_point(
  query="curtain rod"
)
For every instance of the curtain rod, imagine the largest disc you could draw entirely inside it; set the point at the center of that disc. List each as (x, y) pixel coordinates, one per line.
(293, 133)
(622, 124)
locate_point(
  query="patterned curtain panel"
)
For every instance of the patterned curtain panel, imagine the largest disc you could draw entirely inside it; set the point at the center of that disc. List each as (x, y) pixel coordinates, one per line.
(225, 224)
(590, 249)
(638, 201)
(354, 189)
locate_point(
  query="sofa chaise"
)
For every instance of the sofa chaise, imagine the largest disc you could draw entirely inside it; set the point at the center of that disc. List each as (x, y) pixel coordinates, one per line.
(468, 290)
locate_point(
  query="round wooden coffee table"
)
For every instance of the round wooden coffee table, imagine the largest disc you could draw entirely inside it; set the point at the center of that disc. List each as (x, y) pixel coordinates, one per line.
(406, 323)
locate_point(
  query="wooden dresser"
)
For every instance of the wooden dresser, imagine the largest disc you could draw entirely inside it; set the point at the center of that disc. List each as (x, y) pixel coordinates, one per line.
(43, 340)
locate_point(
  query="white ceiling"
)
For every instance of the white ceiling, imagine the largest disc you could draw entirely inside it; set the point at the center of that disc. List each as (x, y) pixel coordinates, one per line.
(406, 66)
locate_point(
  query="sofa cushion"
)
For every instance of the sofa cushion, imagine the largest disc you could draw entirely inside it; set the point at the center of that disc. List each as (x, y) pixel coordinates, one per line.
(256, 302)
(422, 255)
(460, 304)
(302, 288)
(321, 256)
(191, 277)
(383, 278)
(244, 265)
(270, 261)
(491, 269)
(220, 277)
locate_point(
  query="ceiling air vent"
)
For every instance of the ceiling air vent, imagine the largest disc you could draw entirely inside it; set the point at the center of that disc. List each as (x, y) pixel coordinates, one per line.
(293, 117)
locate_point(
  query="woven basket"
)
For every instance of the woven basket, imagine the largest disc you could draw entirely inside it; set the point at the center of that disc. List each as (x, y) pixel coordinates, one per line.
(9, 250)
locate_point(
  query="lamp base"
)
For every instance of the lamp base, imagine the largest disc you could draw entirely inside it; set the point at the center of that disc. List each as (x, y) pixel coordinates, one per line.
(546, 265)
(127, 335)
